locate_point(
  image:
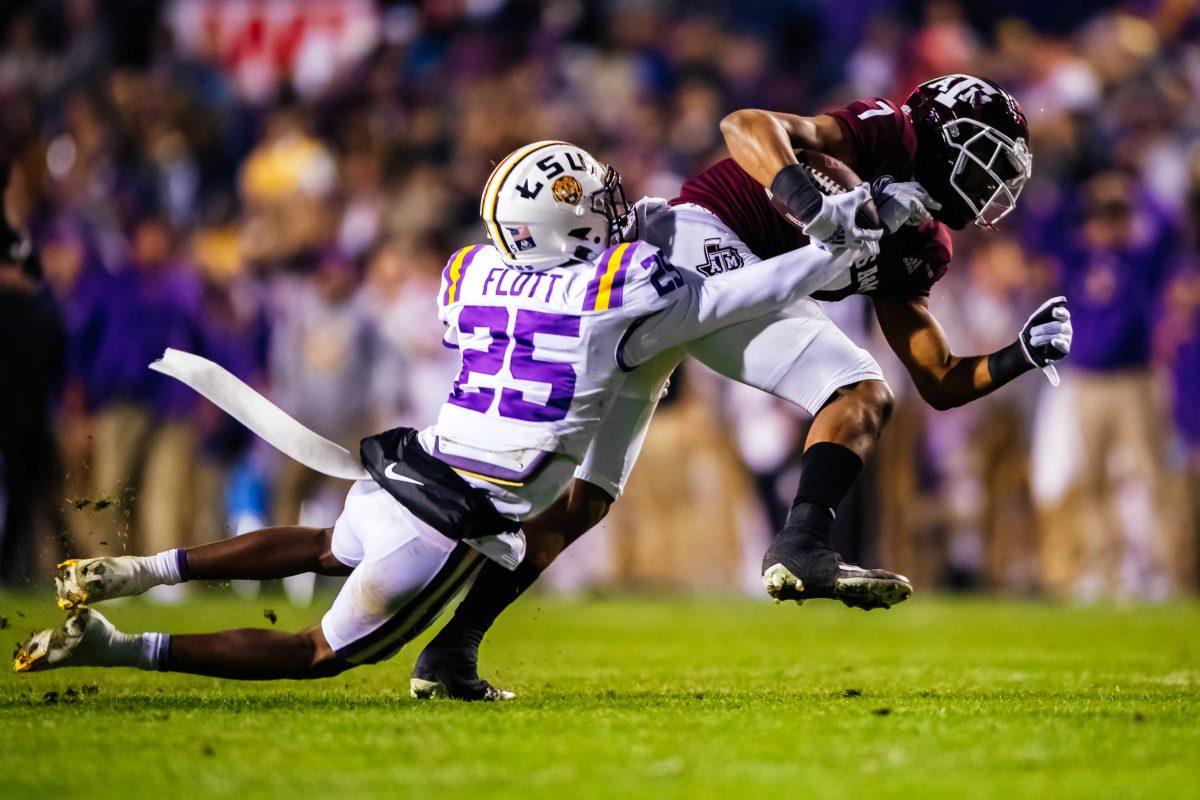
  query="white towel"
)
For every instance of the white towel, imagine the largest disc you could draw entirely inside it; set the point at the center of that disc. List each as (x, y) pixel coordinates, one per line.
(260, 415)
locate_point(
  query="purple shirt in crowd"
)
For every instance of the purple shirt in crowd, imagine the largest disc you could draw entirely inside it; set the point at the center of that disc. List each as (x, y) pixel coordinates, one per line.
(134, 317)
(1113, 295)
(1186, 403)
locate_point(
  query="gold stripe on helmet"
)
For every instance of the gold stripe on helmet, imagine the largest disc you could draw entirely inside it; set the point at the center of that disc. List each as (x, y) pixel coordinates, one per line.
(491, 190)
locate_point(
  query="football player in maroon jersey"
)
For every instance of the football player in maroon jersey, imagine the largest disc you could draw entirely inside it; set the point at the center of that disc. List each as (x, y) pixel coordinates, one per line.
(955, 152)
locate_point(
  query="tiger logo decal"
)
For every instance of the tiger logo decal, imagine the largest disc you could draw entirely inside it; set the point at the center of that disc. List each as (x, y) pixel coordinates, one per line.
(567, 190)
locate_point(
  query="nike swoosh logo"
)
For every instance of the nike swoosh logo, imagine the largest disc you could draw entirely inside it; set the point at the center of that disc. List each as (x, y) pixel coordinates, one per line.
(390, 472)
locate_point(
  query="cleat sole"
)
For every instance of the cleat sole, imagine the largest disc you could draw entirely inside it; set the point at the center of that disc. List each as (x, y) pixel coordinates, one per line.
(68, 592)
(861, 590)
(31, 656)
(870, 593)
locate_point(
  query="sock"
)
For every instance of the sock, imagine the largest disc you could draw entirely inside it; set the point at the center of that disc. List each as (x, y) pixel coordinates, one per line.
(494, 590)
(166, 568)
(827, 471)
(124, 650)
(153, 650)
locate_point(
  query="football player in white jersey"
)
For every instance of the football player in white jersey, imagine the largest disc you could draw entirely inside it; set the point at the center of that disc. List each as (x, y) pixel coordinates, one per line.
(548, 319)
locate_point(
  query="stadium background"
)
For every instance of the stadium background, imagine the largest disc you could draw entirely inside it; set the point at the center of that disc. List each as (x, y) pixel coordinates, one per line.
(276, 186)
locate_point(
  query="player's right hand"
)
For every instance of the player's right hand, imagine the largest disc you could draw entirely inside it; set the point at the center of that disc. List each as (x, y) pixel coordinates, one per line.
(903, 203)
(836, 225)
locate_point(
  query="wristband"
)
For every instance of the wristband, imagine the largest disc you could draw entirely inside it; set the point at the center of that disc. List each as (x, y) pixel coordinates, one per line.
(1006, 364)
(794, 187)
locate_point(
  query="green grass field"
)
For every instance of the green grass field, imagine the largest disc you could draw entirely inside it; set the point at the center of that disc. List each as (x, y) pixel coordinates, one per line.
(655, 699)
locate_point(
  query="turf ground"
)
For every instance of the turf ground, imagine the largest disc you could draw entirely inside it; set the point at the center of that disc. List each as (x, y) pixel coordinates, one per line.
(642, 698)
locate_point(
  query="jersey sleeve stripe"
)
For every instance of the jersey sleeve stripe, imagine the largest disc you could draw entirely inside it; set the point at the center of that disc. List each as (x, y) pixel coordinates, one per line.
(618, 281)
(455, 269)
(599, 294)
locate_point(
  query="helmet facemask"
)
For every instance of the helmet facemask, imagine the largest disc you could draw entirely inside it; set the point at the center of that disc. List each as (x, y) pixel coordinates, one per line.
(990, 169)
(611, 203)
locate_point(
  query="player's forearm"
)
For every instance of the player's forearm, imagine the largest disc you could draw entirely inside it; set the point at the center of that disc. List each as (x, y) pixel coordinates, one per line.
(759, 142)
(968, 378)
(959, 381)
(740, 295)
(733, 297)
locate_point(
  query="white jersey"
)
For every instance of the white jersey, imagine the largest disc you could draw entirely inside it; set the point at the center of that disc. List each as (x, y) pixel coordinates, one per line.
(543, 354)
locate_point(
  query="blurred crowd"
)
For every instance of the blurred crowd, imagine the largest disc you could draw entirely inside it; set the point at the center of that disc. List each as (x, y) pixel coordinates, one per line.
(276, 186)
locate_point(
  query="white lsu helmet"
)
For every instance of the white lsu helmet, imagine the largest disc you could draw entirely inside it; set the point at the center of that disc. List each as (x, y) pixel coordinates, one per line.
(550, 202)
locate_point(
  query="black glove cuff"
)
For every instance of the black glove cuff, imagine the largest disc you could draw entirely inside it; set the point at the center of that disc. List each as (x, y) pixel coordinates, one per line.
(1006, 364)
(794, 187)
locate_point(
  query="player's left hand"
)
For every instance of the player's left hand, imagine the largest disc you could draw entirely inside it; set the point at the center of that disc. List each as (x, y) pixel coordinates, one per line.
(836, 226)
(1046, 336)
(905, 203)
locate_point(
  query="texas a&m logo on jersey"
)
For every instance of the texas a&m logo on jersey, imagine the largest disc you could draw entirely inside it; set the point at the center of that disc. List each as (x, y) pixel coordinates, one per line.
(718, 259)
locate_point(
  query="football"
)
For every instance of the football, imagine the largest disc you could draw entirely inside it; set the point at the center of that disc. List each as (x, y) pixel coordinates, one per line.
(831, 176)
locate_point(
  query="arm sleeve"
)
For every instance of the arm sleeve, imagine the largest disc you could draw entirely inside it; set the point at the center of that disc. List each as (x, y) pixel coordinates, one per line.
(699, 308)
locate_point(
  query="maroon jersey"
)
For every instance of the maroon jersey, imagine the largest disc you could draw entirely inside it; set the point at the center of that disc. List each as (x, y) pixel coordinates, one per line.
(881, 135)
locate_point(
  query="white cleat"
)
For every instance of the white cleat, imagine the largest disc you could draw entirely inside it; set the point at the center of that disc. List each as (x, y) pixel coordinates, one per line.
(80, 581)
(83, 640)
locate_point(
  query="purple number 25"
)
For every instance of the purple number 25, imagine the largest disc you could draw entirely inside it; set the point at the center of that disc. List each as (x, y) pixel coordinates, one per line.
(522, 363)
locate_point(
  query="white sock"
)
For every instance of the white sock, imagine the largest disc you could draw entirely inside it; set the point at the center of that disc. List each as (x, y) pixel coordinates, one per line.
(124, 649)
(152, 650)
(163, 568)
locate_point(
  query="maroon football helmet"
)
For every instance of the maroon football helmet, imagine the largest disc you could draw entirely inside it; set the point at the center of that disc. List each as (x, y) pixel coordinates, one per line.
(972, 148)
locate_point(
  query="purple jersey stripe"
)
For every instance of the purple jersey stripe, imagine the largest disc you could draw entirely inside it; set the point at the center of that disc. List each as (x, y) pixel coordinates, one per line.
(486, 470)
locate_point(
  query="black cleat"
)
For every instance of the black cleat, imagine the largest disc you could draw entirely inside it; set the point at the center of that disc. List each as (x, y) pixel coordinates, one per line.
(451, 674)
(793, 573)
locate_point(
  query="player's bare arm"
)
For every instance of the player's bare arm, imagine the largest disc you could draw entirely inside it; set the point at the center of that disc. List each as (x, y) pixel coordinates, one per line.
(946, 380)
(764, 142)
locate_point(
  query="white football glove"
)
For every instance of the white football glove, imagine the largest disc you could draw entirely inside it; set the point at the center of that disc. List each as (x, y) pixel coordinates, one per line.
(835, 226)
(1046, 336)
(905, 203)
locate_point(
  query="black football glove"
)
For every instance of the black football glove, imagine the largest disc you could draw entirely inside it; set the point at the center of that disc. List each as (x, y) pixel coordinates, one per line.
(1046, 336)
